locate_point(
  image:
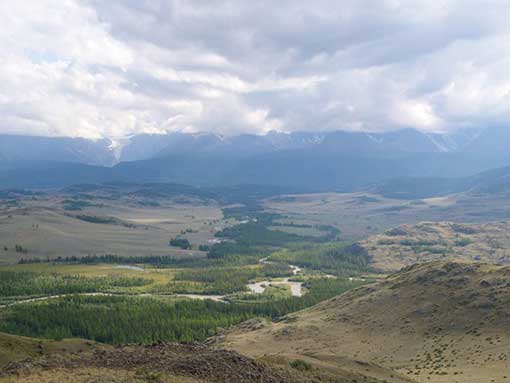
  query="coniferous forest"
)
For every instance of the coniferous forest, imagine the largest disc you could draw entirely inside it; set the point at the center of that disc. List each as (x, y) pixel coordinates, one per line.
(120, 319)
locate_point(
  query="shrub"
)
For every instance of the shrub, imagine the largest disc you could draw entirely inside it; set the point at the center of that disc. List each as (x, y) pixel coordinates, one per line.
(300, 365)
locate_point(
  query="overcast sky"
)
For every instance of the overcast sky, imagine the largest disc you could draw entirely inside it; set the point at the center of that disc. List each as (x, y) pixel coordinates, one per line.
(96, 68)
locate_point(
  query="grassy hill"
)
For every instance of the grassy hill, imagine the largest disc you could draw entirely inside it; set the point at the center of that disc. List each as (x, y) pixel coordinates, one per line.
(25, 360)
(16, 348)
(428, 241)
(433, 322)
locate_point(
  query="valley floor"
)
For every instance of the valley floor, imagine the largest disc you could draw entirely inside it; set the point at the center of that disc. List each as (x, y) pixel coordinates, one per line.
(295, 287)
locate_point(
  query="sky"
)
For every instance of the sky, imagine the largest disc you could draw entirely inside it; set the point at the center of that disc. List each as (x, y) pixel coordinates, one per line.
(111, 69)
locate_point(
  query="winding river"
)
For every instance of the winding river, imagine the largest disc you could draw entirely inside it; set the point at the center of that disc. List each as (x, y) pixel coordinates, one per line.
(295, 287)
(256, 288)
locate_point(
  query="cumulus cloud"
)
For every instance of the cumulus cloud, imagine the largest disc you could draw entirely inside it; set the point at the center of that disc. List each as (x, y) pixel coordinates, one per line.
(96, 69)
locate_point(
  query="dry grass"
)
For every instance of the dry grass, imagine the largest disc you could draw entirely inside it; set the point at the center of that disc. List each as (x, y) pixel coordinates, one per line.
(46, 230)
(165, 363)
(158, 276)
(427, 241)
(358, 215)
(96, 375)
(16, 348)
(437, 322)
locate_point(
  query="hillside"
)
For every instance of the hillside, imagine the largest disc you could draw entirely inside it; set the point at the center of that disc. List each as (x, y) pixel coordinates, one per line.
(16, 348)
(494, 182)
(428, 241)
(147, 146)
(434, 322)
(31, 361)
(31, 150)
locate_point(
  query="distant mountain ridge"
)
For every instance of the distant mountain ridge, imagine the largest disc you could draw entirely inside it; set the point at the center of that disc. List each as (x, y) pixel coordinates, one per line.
(308, 161)
(147, 146)
(16, 150)
(491, 182)
(22, 148)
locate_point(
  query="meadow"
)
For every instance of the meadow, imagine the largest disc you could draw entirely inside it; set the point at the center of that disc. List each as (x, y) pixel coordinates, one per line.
(177, 269)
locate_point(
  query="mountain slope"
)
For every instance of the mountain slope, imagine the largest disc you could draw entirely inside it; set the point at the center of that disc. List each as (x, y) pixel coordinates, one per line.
(336, 160)
(434, 322)
(480, 142)
(147, 146)
(25, 149)
(490, 182)
(489, 141)
(340, 160)
(53, 175)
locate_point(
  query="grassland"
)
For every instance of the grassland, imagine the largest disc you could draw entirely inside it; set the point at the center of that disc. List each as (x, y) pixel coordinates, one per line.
(134, 224)
(358, 215)
(435, 322)
(43, 228)
(92, 374)
(408, 244)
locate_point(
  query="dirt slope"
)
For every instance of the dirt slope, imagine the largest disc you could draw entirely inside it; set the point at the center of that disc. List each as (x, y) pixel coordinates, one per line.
(433, 322)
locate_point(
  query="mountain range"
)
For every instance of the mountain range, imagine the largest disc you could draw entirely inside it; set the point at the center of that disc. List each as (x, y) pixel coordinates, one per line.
(392, 143)
(306, 161)
(19, 151)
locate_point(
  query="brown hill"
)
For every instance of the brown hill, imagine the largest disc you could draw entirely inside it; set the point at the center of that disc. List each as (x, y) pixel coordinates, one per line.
(14, 348)
(26, 360)
(433, 322)
(427, 241)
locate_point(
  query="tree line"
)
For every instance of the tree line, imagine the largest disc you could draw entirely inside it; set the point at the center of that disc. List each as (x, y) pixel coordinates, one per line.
(120, 319)
(27, 283)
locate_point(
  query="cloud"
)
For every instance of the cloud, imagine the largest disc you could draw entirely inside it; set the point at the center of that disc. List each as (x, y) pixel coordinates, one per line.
(97, 69)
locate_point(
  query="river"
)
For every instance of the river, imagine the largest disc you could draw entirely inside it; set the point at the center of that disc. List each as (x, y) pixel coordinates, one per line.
(257, 288)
